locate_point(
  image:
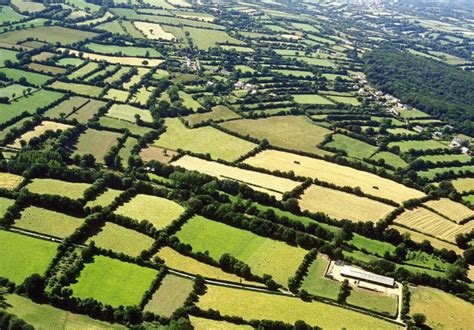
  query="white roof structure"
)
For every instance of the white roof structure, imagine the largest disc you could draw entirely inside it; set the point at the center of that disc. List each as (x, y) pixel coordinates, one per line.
(360, 274)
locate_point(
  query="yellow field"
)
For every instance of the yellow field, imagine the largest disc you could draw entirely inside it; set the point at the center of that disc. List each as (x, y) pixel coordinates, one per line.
(257, 306)
(37, 131)
(442, 310)
(337, 174)
(419, 237)
(454, 211)
(463, 184)
(430, 223)
(271, 184)
(341, 205)
(175, 260)
(124, 60)
(136, 78)
(153, 31)
(207, 324)
(10, 181)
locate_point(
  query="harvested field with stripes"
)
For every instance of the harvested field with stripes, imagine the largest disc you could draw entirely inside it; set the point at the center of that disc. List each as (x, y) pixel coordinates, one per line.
(452, 210)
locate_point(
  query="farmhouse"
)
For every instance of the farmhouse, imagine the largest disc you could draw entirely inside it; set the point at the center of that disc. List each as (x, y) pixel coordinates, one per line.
(359, 274)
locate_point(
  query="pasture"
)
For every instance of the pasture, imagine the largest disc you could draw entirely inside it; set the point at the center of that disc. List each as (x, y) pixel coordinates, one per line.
(128, 113)
(47, 222)
(289, 132)
(116, 95)
(462, 158)
(390, 159)
(121, 240)
(120, 124)
(333, 173)
(105, 198)
(267, 183)
(153, 31)
(353, 147)
(87, 143)
(160, 212)
(123, 60)
(463, 185)
(113, 282)
(203, 140)
(316, 284)
(72, 190)
(263, 255)
(47, 69)
(170, 295)
(405, 146)
(189, 102)
(200, 38)
(378, 302)
(432, 173)
(49, 34)
(23, 256)
(108, 49)
(87, 111)
(14, 90)
(266, 306)
(341, 205)
(10, 181)
(37, 131)
(7, 55)
(81, 89)
(126, 151)
(311, 99)
(5, 203)
(155, 153)
(217, 114)
(433, 303)
(427, 222)
(34, 78)
(83, 70)
(205, 324)
(135, 79)
(452, 210)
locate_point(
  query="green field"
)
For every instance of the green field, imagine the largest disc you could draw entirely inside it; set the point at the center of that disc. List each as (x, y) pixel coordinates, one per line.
(375, 301)
(171, 295)
(371, 245)
(263, 255)
(83, 70)
(87, 143)
(121, 240)
(14, 90)
(127, 112)
(105, 198)
(5, 203)
(34, 78)
(126, 151)
(189, 102)
(203, 140)
(113, 282)
(353, 148)
(462, 158)
(201, 38)
(157, 210)
(8, 15)
(7, 54)
(417, 145)
(311, 99)
(50, 34)
(85, 113)
(431, 173)
(47, 222)
(315, 283)
(122, 50)
(390, 159)
(115, 123)
(23, 256)
(218, 113)
(469, 198)
(66, 107)
(294, 73)
(81, 89)
(73, 190)
(345, 99)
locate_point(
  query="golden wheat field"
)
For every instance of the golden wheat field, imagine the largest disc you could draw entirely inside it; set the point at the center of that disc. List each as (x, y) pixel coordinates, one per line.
(10, 181)
(452, 210)
(419, 237)
(124, 60)
(153, 31)
(38, 130)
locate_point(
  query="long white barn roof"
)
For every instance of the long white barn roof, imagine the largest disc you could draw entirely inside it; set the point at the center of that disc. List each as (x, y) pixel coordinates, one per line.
(363, 275)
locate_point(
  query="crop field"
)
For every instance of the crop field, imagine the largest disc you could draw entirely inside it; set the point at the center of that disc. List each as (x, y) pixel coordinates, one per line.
(5, 203)
(34, 78)
(427, 222)
(44, 316)
(153, 31)
(290, 132)
(69, 62)
(353, 148)
(203, 140)
(48, 69)
(263, 255)
(270, 184)
(83, 70)
(113, 282)
(463, 185)
(47, 222)
(433, 302)
(38, 130)
(116, 95)
(9, 181)
(50, 34)
(311, 99)
(218, 113)
(124, 60)
(378, 302)
(108, 49)
(419, 237)
(176, 260)
(72, 190)
(157, 210)
(162, 155)
(170, 295)
(86, 112)
(126, 151)
(333, 173)
(355, 208)
(315, 283)
(87, 143)
(128, 113)
(23, 256)
(121, 124)
(81, 89)
(234, 302)
(122, 240)
(405, 146)
(105, 198)
(205, 324)
(135, 79)
(452, 210)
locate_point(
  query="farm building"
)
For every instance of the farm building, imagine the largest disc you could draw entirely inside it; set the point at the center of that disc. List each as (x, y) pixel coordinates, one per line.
(359, 274)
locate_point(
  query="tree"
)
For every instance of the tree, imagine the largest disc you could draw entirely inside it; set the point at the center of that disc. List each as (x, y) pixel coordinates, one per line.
(33, 287)
(419, 319)
(344, 292)
(469, 255)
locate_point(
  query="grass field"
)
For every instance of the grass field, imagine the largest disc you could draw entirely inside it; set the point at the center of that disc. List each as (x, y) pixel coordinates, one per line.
(372, 300)
(122, 50)
(14, 90)
(124, 60)
(311, 99)
(170, 295)
(48, 222)
(128, 113)
(34, 78)
(126, 151)
(153, 31)
(371, 245)
(205, 324)
(235, 302)
(157, 210)
(433, 303)
(353, 147)
(37, 131)
(263, 255)
(463, 184)
(81, 89)
(218, 113)
(23, 256)
(419, 237)
(315, 283)
(83, 70)
(121, 240)
(72, 190)
(50, 34)
(7, 54)
(113, 282)
(5, 203)
(203, 140)
(333, 173)
(405, 146)
(87, 143)
(267, 183)
(200, 38)
(66, 107)
(85, 113)
(291, 132)
(43, 316)
(454, 211)
(345, 100)
(390, 159)
(121, 124)
(469, 199)
(189, 102)
(117, 95)
(8, 15)
(427, 222)
(462, 158)
(433, 172)
(9, 181)
(294, 73)
(105, 198)
(355, 208)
